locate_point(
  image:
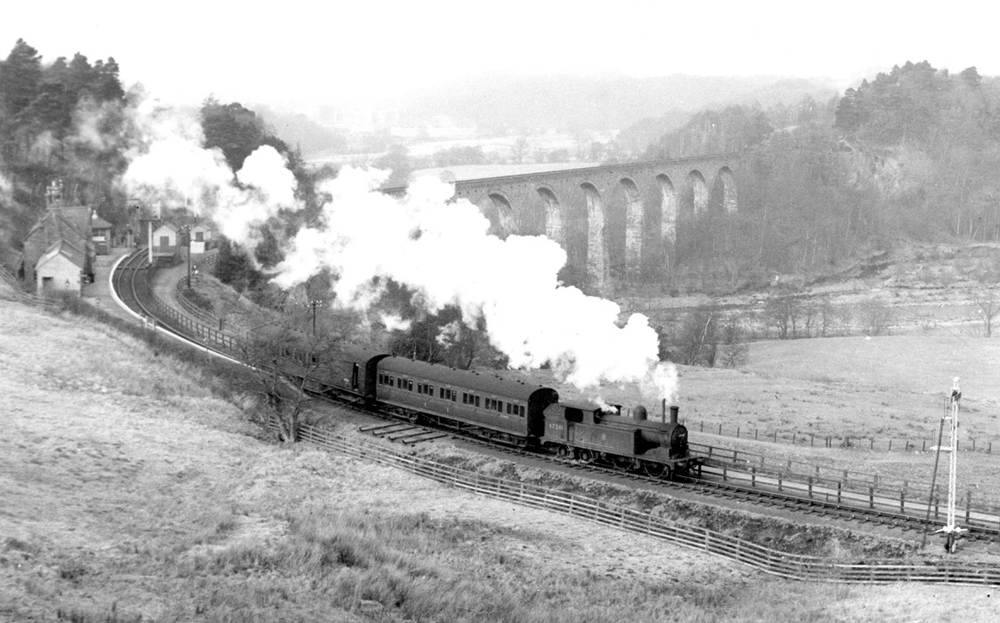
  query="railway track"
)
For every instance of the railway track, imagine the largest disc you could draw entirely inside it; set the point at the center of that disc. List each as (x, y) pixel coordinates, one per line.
(716, 479)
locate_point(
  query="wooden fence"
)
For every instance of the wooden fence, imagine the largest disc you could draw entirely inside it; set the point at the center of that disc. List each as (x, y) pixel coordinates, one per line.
(793, 566)
(882, 494)
(15, 293)
(225, 343)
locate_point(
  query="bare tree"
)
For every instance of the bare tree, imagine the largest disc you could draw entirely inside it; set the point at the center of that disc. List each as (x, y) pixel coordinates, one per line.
(280, 371)
(987, 303)
(519, 149)
(876, 316)
(782, 312)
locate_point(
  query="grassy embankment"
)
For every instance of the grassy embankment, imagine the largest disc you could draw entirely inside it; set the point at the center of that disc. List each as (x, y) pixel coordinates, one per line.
(133, 488)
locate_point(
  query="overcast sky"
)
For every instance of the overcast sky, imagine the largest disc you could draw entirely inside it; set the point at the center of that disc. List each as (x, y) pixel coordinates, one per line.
(310, 53)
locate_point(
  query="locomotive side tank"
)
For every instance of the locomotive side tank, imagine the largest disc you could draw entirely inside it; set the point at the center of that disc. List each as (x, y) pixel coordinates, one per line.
(589, 432)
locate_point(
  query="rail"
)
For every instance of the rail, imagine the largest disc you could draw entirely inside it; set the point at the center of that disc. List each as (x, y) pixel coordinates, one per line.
(774, 562)
(200, 314)
(840, 484)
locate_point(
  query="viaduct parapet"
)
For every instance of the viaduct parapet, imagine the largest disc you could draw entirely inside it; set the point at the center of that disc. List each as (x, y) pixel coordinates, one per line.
(614, 221)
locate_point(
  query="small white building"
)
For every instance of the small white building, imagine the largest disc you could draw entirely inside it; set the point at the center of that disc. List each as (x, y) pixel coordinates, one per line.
(201, 236)
(59, 269)
(165, 238)
(163, 244)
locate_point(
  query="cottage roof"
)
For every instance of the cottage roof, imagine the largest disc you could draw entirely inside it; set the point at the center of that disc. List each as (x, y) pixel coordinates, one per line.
(99, 223)
(69, 223)
(169, 226)
(65, 248)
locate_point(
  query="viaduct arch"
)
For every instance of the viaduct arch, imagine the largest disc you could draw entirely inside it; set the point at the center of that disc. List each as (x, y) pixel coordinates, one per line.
(614, 221)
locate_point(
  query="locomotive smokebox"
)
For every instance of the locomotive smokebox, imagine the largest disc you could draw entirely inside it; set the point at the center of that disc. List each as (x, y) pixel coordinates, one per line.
(639, 413)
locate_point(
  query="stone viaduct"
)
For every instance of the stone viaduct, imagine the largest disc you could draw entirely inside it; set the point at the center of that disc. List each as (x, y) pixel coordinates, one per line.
(615, 221)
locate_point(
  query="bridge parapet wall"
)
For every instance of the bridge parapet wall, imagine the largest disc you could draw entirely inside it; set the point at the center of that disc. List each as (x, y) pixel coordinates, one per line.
(614, 221)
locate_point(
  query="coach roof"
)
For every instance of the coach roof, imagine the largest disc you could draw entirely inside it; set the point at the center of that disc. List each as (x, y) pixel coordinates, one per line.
(485, 382)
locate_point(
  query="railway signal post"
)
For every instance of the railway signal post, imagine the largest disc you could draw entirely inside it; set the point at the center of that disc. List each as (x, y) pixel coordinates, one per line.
(951, 530)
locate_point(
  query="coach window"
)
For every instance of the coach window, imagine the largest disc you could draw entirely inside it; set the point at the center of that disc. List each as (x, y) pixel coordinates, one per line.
(499, 406)
(454, 395)
(392, 381)
(477, 401)
(522, 410)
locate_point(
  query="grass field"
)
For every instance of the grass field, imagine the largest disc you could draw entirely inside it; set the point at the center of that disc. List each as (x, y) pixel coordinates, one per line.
(132, 488)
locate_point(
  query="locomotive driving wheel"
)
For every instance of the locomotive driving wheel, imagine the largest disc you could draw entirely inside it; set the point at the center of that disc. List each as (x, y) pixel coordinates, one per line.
(654, 470)
(586, 456)
(562, 452)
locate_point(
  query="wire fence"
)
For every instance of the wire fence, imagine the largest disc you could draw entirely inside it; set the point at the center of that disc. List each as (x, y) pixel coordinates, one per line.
(835, 441)
(774, 562)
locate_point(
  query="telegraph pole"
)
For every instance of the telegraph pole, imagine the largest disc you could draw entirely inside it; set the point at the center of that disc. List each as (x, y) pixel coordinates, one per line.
(314, 304)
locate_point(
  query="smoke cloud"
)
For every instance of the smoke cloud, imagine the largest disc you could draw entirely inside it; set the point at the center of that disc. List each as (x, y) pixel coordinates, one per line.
(441, 249)
(170, 168)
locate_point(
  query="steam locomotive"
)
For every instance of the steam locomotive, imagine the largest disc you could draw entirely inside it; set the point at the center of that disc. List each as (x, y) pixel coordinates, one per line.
(497, 407)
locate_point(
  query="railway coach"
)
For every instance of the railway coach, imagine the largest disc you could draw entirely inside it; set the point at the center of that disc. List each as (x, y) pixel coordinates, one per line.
(503, 408)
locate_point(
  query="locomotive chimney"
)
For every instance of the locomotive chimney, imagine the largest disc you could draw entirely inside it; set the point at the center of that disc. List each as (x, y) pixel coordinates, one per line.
(639, 413)
(674, 410)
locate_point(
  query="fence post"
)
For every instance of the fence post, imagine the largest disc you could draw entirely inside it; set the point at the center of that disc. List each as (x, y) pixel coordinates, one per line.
(890, 445)
(702, 426)
(779, 482)
(871, 497)
(720, 429)
(755, 433)
(902, 500)
(775, 436)
(840, 487)
(737, 432)
(812, 439)
(753, 476)
(810, 487)
(968, 505)
(872, 446)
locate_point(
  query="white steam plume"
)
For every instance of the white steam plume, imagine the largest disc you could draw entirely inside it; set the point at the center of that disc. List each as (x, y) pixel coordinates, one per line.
(441, 250)
(171, 168)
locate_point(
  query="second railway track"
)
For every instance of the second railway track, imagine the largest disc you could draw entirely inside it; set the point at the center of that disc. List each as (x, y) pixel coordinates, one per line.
(721, 480)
